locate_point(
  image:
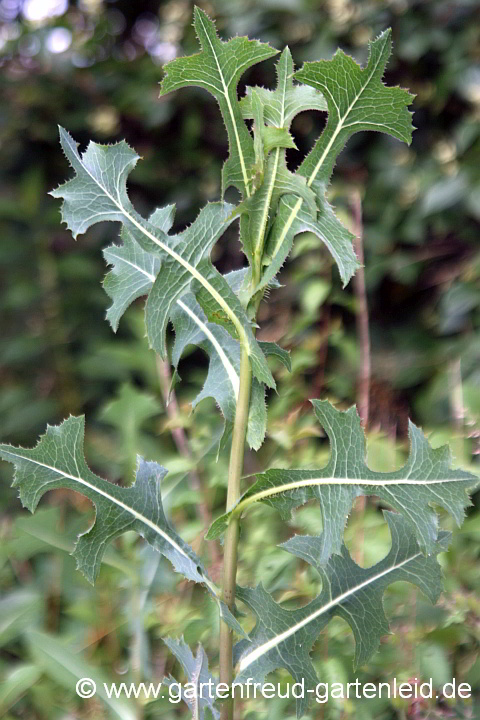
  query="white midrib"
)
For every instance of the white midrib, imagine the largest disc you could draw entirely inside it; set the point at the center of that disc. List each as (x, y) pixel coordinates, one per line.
(192, 270)
(274, 642)
(268, 199)
(229, 369)
(263, 225)
(230, 110)
(111, 498)
(298, 204)
(314, 482)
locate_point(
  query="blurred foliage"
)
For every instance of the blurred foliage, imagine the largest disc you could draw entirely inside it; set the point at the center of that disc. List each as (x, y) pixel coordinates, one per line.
(94, 67)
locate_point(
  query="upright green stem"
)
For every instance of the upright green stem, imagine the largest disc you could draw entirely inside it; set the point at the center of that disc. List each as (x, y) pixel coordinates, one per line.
(231, 539)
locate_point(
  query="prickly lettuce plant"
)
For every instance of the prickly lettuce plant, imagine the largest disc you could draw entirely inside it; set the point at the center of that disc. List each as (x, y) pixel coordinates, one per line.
(218, 314)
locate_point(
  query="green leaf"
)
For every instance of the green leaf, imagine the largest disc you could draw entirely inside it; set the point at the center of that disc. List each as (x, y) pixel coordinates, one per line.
(276, 179)
(262, 205)
(222, 381)
(201, 694)
(426, 479)
(284, 638)
(271, 349)
(218, 68)
(133, 269)
(20, 610)
(98, 192)
(291, 220)
(357, 100)
(133, 274)
(16, 683)
(282, 105)
(58, 461)
(128, 411)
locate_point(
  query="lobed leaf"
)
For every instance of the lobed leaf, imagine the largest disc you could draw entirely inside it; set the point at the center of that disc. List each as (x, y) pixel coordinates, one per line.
(282, 105)
(202, 683)
(284, 638)
(98, 192)
(275, 179)
(357, 100)
(133, 275)
(218, 68)
(426, 479)
(222, 382)
(58, 461)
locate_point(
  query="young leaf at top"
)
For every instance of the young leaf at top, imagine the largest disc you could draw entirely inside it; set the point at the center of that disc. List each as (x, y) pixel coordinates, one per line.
(357, 100)
(427, 478)
(275, 178)
(201, 693)
(98, 192)
(218, 68)
(282, 105)
(284, 638)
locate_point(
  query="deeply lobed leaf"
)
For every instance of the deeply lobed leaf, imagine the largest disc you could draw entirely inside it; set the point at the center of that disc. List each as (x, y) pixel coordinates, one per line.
(218, 68)
(58, 461)
(284, 638)
(98, 192)
(133, 274)
(426, 479)
(201, 694)
(357, 100)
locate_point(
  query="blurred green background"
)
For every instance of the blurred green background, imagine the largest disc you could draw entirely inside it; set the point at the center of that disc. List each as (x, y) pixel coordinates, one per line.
(94, 68)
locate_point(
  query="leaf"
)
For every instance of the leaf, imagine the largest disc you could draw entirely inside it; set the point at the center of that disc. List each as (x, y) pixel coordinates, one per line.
(19, 611)
(284, 638)
(282, 105)
(262, 205)
(128, 411)
(218, 68)
(357, 100)
(202, 684)
(271, 349)
(426, 478)
(98, 192)
(222, 381)
(276, 179)
(16, 683)
(58, 461)
(133, 269)
(41, 533)
(291, 220)
(133, 274)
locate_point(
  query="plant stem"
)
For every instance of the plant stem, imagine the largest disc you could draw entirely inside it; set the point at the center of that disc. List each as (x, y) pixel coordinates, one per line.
(231, 538)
